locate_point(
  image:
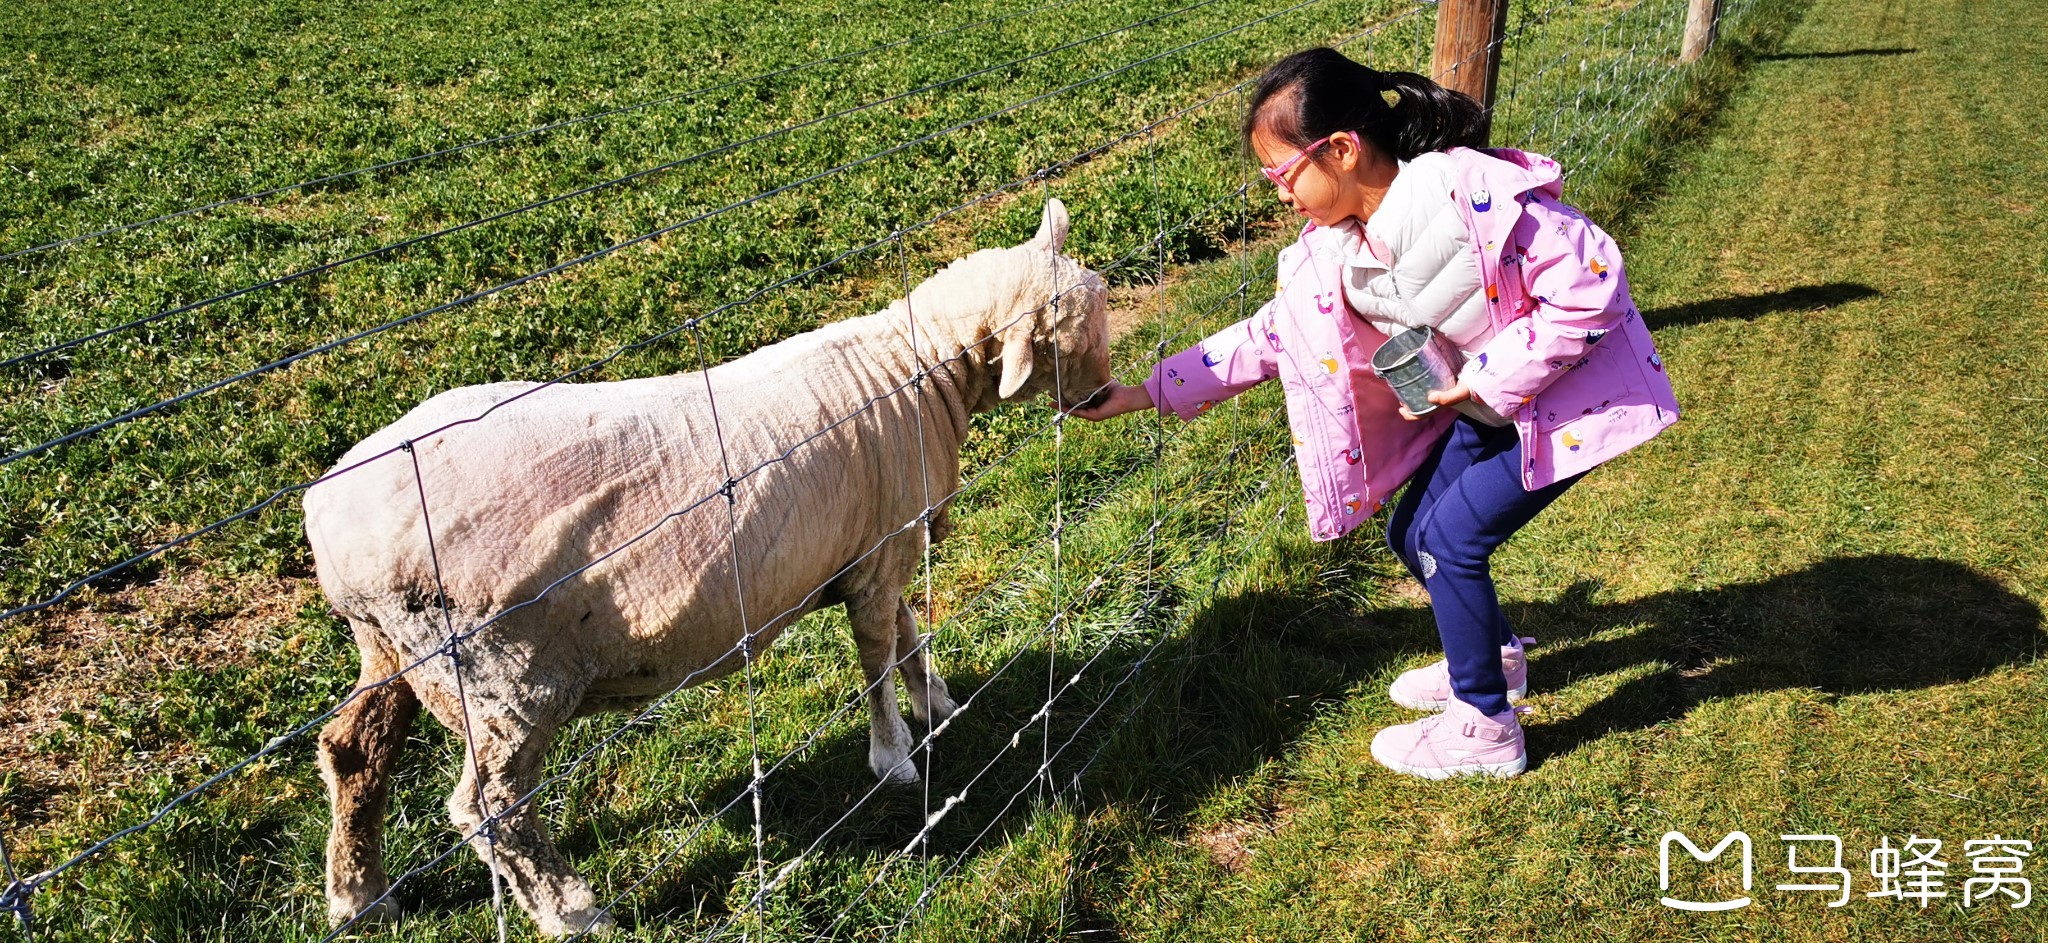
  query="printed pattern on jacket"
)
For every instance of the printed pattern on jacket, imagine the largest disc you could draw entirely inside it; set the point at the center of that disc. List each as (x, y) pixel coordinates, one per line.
(1570, 360)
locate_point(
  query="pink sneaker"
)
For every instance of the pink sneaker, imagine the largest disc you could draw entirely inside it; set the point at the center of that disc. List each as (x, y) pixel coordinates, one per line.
(1429, 688)
(1461, 741)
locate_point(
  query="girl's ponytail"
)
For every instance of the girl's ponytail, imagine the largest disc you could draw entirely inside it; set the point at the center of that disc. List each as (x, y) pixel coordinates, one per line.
(1315, 93)
(1429, 117)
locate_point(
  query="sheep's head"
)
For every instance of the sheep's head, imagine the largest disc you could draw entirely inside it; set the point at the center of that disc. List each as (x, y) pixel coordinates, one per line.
(1036, 317)
(1059, 339)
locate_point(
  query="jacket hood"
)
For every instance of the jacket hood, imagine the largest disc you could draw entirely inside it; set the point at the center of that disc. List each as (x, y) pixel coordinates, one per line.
(1508, 172)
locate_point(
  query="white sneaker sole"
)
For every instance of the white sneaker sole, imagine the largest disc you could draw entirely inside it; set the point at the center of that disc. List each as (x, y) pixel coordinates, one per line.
(1417, 704)
(1506, 770)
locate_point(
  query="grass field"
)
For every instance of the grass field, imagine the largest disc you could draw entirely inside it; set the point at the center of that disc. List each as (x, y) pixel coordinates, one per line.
(111, 124)
(1813, 607)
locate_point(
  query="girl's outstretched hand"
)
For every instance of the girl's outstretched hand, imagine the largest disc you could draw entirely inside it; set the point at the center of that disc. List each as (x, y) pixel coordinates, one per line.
(1115, 400)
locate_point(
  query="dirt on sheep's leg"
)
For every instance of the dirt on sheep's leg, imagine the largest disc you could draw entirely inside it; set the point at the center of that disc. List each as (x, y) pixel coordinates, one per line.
(509, 747)
(358, 750)
(929, 703)
(875, 632)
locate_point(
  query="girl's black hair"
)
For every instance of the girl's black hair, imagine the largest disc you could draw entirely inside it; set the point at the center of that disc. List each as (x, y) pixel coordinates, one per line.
(1315, 93)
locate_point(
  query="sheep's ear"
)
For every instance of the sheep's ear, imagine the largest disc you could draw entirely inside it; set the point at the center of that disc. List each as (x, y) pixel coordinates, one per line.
(1052, 227)
(1016, 358)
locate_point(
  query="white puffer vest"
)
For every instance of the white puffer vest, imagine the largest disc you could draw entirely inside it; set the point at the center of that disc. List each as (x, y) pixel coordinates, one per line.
(1430, 275)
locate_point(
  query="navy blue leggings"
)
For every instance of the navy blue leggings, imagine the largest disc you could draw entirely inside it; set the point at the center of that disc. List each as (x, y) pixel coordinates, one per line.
(1464, 501)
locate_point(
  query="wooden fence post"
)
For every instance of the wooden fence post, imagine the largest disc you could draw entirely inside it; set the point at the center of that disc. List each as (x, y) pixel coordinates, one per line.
(1469, 34)
(1702, 17)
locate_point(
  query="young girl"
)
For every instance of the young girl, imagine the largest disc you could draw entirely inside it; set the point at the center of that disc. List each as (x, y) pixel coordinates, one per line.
(1409, 225)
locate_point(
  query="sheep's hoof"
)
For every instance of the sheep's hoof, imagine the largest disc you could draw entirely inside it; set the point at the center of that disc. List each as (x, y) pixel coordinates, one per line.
(901, 773)
(588, 920)
(340, 912)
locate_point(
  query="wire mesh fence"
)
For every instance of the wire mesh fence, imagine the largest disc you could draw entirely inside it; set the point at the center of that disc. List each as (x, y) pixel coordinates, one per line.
(730, 801)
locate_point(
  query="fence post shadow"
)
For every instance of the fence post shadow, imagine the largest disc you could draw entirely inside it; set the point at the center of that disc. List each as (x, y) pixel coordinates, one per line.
(1839, 54)
(1751, 307)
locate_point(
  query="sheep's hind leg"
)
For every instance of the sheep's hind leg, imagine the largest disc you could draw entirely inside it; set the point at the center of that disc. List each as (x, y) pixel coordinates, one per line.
(509, 745)
(930, 703)
(875, 631)
(358, 749)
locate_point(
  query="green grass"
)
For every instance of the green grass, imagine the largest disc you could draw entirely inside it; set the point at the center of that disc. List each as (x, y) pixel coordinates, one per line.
(1812, 606)
(176, 108)
(219, 106)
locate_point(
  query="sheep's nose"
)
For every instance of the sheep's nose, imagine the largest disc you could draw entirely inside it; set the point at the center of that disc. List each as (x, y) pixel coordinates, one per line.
(1093, 399)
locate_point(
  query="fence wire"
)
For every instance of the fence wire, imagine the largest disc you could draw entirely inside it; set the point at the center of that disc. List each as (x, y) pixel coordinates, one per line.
(282, 362)
(397, 163)
(689, 325)
(599, 187)
(1577, 82)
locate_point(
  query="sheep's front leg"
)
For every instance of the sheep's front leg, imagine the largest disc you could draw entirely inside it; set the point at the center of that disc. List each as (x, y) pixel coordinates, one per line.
(875, 632)
(929, 699)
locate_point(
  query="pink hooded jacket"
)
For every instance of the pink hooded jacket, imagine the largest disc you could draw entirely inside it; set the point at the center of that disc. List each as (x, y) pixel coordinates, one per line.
(1568, 358)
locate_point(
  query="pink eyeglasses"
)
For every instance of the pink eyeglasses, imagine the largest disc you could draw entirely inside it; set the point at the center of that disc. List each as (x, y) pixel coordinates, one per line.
(1279, 174)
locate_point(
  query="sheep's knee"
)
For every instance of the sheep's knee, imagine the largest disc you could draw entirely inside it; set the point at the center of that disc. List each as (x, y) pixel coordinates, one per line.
(546, 887)
(929, 700)
(492, 804)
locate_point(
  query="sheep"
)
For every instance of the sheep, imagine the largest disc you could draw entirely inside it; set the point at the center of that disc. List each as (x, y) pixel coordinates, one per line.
(810, 456)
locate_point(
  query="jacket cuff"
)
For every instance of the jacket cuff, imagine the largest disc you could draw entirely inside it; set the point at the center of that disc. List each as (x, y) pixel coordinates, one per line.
(1494, 398)
(1184, 385)
(1155, 386)
(1490, 375)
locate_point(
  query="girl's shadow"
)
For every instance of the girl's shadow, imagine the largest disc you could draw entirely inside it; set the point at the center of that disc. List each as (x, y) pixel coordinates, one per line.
(1851, 625)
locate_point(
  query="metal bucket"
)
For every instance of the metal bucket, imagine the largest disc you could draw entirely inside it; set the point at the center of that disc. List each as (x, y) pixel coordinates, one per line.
(1415, 362)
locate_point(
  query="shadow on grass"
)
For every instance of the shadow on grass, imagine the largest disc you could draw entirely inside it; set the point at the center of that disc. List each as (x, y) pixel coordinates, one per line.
(1167, 719)
(1751, 307)
(1841, 54)
(1243, 683)
(1852, 625)
(1166, 723)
